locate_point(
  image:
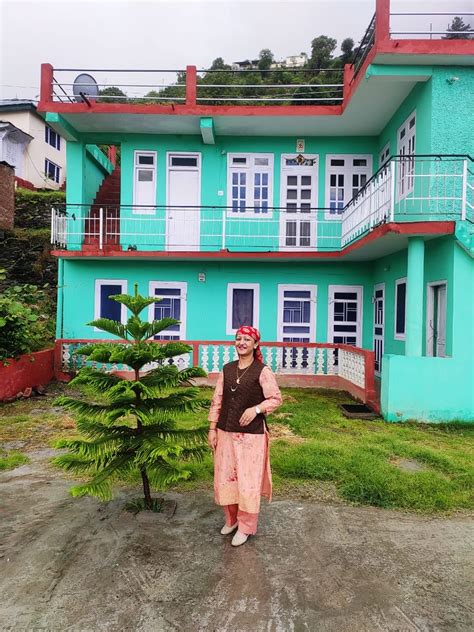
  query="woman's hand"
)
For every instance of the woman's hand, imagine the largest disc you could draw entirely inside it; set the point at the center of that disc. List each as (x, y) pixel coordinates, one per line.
(212, 438)
(247, 416)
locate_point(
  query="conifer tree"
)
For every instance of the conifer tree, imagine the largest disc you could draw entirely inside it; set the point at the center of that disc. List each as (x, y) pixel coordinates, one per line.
(133, 430)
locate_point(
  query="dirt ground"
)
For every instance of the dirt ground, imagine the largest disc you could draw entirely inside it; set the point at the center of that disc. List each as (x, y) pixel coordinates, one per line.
(78, 564)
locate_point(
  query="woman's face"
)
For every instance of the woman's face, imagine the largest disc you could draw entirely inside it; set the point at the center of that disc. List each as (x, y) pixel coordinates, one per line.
(245, 345)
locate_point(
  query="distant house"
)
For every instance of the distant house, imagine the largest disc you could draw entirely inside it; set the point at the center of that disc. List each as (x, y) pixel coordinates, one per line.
(293, 61)
(33, 148)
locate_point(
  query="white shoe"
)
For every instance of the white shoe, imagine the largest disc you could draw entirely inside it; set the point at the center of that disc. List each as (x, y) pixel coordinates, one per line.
(239, 538)
(226, 530)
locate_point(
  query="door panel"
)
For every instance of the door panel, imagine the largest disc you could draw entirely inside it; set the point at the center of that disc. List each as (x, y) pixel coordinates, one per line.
(183, 215)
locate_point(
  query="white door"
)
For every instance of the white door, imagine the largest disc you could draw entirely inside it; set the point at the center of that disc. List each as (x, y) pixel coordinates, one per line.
(296, 322)
(345, 315)
(298, 201)
(379, 314)
(184, 198)
(144, 184)
(436, 317)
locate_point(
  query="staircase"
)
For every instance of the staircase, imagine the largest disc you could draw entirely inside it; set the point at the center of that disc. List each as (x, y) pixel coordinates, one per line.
(107, 199)
(465, 236)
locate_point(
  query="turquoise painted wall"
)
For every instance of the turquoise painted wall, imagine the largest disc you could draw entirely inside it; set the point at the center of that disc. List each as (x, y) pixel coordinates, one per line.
(438, 389)
(87, 167)
(439, 255)
(207, 301)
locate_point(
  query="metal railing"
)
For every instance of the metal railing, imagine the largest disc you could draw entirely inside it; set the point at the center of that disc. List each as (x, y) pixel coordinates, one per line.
(405, 189)
(364, 47)
(432, 25)
(411, 189)
(204, 87)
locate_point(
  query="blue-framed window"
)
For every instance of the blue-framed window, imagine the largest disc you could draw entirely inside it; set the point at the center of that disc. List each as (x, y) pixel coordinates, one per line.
(106, 307)
(52, 138)
(172, 304)
(52, 171)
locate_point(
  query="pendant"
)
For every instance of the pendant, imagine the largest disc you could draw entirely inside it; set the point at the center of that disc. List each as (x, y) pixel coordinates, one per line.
(233, 389)
(238, 380)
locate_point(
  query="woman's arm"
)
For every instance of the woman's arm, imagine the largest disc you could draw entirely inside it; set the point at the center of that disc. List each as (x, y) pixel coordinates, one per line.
(214, 411)
(271, 392)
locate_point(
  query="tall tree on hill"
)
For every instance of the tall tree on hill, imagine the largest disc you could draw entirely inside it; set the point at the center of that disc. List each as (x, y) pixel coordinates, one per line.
(112, 94)
(458, 25)
(347, 48)
(322, 49)
(265, 59)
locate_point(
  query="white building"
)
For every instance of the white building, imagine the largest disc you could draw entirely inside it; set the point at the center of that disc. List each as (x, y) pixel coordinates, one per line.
(34, 149)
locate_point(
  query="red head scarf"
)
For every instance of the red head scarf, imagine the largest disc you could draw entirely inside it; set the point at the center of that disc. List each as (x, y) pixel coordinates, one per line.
(247, 330)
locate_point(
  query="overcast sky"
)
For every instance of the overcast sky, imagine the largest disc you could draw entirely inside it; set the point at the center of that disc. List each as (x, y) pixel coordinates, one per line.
(154, 34)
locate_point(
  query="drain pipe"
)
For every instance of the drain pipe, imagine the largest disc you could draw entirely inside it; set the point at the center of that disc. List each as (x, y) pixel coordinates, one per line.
(59, 310)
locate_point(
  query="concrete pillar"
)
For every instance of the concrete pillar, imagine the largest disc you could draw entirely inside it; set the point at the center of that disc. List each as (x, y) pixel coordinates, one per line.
(414, 297)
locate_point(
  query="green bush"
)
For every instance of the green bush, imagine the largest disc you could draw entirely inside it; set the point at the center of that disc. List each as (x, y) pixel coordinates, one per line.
(26, 321)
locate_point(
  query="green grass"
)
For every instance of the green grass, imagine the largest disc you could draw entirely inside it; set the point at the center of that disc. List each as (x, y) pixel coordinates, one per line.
(360, 457)
(321, 454)
(10, 460)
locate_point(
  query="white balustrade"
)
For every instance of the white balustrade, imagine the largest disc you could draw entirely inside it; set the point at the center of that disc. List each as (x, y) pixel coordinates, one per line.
(352, 367)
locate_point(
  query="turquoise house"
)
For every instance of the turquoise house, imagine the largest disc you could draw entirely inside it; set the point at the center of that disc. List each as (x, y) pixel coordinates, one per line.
(342, 230)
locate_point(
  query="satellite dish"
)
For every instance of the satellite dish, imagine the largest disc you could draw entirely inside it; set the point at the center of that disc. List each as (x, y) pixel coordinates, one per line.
(84, 87)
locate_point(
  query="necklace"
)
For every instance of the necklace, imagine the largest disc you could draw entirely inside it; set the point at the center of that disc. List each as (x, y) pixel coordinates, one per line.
(239, 377)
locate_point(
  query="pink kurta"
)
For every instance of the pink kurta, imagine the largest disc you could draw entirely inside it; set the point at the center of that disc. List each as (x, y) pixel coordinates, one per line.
(241, 460)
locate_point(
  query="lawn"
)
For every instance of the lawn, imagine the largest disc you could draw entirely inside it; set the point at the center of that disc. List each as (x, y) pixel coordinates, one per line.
(317, 453)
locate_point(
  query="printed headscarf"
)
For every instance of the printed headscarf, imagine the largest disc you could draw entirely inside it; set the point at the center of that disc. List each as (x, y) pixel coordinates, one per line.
(247, 330)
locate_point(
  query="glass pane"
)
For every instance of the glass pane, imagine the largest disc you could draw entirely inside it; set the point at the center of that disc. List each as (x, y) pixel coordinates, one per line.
(340, 180)
(239, 161)
(261, 161)
(298, 294)
(235, 178)
(257, 178)
(108, 307)
(306, 181)
(291, 194)
(332, 180)
(400, 308)
(242, 307)
(337, 162)
(305, 207)
(184, 161)
(145, 175)
(265, 178)
(360, 162)
(305, 194)
(292, 180)
(291, 207)
(146, 160)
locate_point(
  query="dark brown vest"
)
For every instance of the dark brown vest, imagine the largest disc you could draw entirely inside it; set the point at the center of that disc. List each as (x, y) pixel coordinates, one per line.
(247, 394)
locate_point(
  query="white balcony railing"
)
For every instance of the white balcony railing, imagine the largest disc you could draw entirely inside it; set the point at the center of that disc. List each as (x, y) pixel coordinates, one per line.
(405, 189)
(327, 361)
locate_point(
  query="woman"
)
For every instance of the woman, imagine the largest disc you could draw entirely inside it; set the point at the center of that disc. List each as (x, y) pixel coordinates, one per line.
(246, 392)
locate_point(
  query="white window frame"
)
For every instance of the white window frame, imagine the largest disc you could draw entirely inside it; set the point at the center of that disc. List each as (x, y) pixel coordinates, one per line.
(250, 170)
(360, 310)
(136, 210)
(313, 289)
(396, 335)
(256, 304)
(429, 313)
(172, 285)
(384, 154)
(348, 171)
(97, 305)
(409, 135)
(57, 170)
(298, 216)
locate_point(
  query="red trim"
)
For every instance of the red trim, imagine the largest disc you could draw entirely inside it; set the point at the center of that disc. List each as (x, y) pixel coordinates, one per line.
(24, 184)
(46, 88)
(410, 229)
(191, 110)
(27, 371)
(426, 47)
(191, 85)
(382, 20)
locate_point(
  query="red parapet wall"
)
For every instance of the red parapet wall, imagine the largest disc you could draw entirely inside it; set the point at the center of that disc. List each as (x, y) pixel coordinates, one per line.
(32, 369)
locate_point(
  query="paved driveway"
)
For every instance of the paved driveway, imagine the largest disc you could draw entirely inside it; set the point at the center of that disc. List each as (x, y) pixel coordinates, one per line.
(77, 564)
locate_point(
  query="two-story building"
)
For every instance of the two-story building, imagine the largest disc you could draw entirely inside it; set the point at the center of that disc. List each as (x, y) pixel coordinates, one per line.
(34, 149)
(343, 231)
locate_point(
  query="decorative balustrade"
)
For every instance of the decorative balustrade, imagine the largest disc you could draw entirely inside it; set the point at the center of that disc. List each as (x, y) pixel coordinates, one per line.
(320, 361)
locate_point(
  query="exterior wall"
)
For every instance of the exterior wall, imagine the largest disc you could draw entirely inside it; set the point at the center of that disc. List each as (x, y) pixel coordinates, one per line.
(38, 149)
(207, 301)
(438, 389)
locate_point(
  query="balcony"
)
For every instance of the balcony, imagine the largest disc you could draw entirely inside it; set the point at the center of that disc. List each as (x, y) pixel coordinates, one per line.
(405, 190)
